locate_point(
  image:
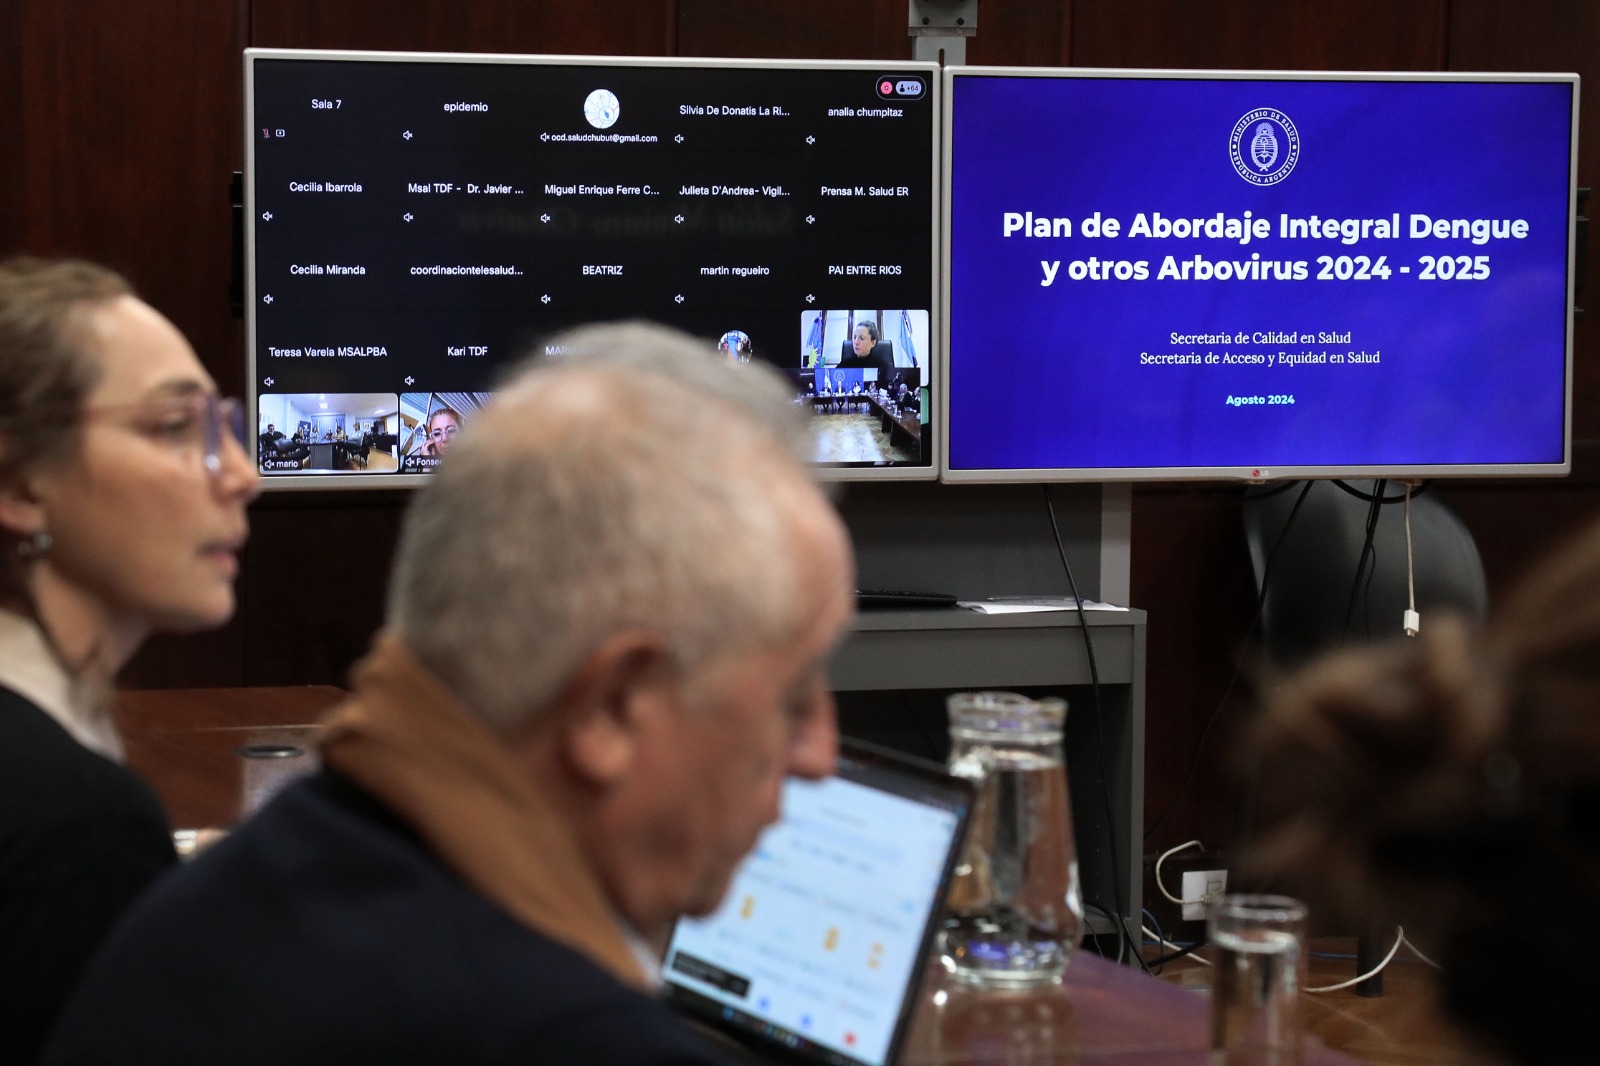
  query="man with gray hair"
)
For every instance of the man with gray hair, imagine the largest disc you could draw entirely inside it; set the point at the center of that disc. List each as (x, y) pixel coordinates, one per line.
(608, 628)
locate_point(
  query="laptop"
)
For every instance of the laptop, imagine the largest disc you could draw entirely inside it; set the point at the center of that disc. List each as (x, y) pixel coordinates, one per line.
(817, 952)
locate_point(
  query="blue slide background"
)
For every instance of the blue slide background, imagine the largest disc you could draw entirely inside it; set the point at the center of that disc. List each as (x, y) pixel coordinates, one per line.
(1472, 372)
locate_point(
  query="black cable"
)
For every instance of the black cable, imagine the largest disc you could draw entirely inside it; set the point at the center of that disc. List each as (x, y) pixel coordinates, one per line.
(1366, 593)
(1122, 943)
(1162, 960)
(1367, 497)
(1374, 510)
(1118, 889)
(1155, 923)
(1161, 934)
(916, 720)
(1261, 603)
(1369, 553)
(1360, 588)
(1243, 494)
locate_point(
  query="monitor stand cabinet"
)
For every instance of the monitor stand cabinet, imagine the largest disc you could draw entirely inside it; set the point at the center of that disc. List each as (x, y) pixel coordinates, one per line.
(959, 650)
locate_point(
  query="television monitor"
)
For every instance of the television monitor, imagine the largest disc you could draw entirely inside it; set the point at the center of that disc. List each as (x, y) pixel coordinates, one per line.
(1188, 274)
(418, 222)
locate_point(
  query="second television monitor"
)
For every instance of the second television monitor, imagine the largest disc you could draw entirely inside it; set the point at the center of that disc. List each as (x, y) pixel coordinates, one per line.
(418, 222)
(1183, 274)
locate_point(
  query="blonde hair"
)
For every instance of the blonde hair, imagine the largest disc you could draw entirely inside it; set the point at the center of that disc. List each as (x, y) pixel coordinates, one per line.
(45, 374)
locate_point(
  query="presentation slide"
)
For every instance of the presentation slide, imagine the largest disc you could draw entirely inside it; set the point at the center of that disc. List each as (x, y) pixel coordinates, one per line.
(1242, 275)
(821, 928)
(420, 225)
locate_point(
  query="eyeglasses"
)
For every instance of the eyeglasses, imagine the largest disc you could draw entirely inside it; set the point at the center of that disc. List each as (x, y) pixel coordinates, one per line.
(200, 420)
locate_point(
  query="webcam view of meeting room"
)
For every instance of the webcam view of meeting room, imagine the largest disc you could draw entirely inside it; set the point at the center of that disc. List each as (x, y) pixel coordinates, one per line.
(864, 373)
(327, 433)
(429, 422)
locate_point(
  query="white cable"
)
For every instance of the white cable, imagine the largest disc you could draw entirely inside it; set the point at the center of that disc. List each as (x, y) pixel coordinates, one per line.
(1145, 929)
(1411, 572)
(1375, 971)
(1412, 621)
(1418, 952)
(1164, 857)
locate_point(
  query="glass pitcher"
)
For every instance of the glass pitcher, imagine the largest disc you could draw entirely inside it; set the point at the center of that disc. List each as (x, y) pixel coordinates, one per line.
(1015, 911)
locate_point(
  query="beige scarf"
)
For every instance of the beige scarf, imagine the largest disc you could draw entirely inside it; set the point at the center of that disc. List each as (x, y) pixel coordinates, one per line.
(408, 741)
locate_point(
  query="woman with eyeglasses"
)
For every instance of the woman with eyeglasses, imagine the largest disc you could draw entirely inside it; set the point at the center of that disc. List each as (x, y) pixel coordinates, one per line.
(123, 489)
(443, 425)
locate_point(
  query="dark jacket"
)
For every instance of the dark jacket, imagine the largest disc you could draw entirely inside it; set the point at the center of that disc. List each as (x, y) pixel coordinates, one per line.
(322, 931)
(80, 837)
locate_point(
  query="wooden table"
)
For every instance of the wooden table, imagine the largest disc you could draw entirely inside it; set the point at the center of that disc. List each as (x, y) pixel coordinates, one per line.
(900, 422)
(1102, 1014)
(186, 742)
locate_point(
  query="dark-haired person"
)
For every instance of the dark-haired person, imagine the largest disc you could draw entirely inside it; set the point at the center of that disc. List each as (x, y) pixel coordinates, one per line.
(122, 511)
(868, 352)
(1450, 783)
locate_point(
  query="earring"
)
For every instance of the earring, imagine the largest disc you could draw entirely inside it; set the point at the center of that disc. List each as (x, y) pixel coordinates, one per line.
(36, 546)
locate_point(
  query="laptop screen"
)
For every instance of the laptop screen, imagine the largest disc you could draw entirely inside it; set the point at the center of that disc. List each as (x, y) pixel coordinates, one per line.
(820, 944)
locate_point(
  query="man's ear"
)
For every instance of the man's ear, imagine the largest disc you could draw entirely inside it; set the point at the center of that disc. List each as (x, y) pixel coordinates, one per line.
(606, 713)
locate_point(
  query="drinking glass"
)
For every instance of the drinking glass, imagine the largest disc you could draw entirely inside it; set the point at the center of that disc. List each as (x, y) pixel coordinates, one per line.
(1255, 996)
(267, 768)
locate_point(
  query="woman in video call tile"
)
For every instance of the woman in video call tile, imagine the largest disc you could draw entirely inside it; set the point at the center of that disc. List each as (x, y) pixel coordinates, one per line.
(443, 425)
(123, 488)
(868, 354)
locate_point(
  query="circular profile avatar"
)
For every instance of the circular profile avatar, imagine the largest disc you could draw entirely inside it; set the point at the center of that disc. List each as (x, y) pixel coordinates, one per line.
(602, 109)
(735, 344)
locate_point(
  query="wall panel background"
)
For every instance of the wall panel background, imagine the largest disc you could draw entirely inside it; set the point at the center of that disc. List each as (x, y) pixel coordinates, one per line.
(121, 124)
